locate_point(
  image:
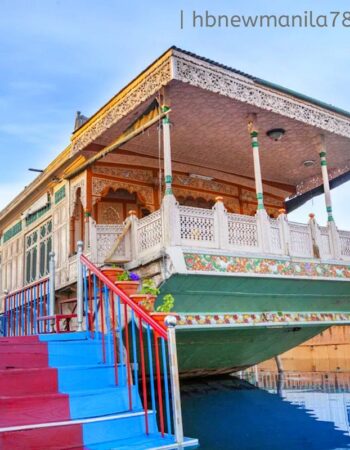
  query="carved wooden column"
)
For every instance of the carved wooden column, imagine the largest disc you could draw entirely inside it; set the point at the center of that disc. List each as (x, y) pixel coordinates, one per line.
(334, 235)
(170, 216)
(263, 221)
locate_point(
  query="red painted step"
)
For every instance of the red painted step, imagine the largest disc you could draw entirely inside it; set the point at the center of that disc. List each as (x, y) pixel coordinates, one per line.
(50, 438)
(23, 352)
(37, 347)
(33, 409)
(19, 360)
(19, 340)
(28, 381)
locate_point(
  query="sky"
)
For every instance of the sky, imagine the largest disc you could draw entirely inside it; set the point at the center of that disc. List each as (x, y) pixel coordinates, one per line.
(57, 57)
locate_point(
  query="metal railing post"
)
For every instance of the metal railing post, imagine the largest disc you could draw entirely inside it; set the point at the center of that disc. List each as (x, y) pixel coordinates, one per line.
(170, 322)
(80, 293)
(6, 332)
(52, 283)
(52, 280)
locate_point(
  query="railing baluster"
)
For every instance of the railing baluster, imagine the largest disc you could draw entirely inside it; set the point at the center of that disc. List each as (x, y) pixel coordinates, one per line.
(86, 301)
(151, 370)
(95, 307)
(91, 325)
(166, 385)
(159, 385)
(108, 324)
(120, 338)
(143, 371)
(134, 349)
(102, 323)
(127, 356)
(114, 333)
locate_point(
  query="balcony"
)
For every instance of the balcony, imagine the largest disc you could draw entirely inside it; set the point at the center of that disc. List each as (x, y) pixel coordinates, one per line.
(217, 230)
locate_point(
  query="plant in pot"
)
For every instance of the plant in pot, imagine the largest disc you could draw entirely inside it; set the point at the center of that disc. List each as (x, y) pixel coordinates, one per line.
(164, 308)
(147, 295)
(128, 282)
(112, 272)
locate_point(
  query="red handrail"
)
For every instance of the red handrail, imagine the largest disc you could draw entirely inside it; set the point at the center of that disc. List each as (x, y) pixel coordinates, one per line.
(139, 311)
(28, 286)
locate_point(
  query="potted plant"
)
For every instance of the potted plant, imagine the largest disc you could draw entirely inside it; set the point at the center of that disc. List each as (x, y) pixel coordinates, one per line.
(147, 295)
(164, 309)
(128, 282)
(112, 272)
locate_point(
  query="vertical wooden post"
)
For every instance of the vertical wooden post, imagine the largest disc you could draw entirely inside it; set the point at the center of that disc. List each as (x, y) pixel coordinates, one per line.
(221, 224)
(261, 214)
(52, 282)
(170, 217)
(80, 287)
(336, 252)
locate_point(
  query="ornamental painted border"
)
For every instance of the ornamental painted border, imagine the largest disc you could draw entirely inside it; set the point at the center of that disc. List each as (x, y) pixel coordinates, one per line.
(161, 76)
(218, 80)
(264, 318)
(221, 264)
(207, 76)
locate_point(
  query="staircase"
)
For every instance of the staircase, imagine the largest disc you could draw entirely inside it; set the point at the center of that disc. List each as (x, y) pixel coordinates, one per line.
(80, 390)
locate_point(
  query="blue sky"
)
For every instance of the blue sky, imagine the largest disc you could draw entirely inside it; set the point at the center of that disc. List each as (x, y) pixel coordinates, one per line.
(57, 57)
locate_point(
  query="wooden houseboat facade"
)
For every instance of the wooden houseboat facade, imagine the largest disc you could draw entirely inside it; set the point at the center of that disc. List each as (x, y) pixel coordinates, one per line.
(195, 166)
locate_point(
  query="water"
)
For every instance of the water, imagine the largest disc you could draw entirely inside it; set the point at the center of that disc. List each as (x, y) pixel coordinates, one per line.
(301, 411)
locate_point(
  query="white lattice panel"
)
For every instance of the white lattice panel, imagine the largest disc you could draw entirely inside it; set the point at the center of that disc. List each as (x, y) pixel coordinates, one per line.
(106, 236)
(326, 250)
(149, 232)
(300, 240)
(345, 242)
(275, 233)
(242, 231)
(197, 226)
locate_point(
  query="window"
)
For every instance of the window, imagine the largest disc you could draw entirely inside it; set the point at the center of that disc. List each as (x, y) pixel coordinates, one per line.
(38, 248)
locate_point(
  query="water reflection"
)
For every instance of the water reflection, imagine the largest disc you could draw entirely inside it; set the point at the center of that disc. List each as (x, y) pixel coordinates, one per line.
(264, 411)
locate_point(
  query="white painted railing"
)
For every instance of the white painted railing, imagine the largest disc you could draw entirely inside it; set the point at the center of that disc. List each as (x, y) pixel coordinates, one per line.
(217, 229)
(300, 240)
(103, 238)
(197, 227)
(344, 237)
(242, 232)
(325, 243)
(149, 233)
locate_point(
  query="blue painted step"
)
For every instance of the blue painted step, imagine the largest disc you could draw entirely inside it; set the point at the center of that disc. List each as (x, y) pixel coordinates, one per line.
(102, 402)
(127, 426)
(73, 378)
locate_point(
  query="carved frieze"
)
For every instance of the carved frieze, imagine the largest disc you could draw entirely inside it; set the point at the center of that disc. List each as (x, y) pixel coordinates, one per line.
(133, 98)
(100, 187)
(145, 176)
(219, 80)
(209, 185)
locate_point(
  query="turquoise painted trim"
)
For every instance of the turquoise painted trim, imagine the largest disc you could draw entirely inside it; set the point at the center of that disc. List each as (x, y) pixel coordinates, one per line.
(168, 191)
(10, 233)
(329, 209)
(323, 154)
(60, 194)
(168, 179)
(323, 163)
(254, 134)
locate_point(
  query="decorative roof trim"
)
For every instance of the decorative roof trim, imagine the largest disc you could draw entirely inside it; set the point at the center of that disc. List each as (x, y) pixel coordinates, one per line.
(214, 78)
(140, 90)
(177, 64)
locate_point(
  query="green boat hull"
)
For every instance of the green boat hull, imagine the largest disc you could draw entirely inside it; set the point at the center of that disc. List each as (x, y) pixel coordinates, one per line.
(219, 347)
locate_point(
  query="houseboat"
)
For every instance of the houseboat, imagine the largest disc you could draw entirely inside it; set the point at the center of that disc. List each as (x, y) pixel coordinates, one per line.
(186, 177)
